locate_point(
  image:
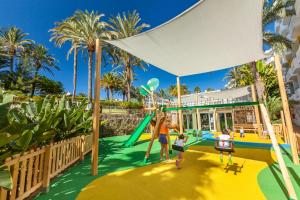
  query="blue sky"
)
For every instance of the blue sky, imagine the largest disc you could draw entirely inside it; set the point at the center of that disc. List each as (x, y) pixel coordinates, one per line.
(38, 16)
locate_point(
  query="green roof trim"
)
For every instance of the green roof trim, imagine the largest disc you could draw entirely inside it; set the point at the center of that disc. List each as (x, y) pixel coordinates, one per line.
(213, 106)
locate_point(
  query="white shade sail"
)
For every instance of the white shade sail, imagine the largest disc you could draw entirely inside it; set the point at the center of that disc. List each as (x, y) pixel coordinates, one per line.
(211, 35)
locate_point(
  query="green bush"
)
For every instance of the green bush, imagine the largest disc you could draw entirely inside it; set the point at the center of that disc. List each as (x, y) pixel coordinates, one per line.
(33, 124)
(123, 104)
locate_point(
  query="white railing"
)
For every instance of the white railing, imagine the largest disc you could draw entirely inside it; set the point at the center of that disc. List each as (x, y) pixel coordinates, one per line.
(296, 95)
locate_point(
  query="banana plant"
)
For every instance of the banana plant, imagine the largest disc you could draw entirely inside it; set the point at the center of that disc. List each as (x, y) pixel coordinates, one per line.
(5, 179)
(76, 120)
(33, 124)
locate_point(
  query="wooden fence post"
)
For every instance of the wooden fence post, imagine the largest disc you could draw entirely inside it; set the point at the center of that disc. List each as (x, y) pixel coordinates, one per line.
(256, 111)
(82, 143)
(286, 138)
(15, 175)
(47, 168)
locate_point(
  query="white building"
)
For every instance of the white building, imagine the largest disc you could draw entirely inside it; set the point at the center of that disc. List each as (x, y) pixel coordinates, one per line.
(290, 27)
(219, 117)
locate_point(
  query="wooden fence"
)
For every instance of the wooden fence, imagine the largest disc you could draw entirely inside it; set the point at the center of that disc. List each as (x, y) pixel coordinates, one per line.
(33, 170)
(281, 131)
(298, 142)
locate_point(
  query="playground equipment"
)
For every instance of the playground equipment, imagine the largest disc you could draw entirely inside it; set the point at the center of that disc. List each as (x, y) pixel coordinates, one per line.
(139, 130)
(164, 51)
(145, 90)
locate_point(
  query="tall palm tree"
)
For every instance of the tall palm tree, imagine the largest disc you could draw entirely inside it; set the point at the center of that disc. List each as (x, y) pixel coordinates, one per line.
(41, 60)
(90, 27)
(3, 57)
(273, 11)
(68, 31)
(13, 40)
(126, 25)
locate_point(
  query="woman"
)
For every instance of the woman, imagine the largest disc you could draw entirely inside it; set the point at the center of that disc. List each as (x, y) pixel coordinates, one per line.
(164, 136)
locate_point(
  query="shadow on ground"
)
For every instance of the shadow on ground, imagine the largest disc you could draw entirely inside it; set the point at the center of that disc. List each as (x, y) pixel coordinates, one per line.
(271, 181)
(112, 157)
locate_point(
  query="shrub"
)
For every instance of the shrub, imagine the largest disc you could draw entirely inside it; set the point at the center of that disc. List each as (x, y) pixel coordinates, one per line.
(33, 124)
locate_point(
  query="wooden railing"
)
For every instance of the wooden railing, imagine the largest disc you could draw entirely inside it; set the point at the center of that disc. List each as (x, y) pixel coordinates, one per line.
(33, 170)
(298, 142)
(278, 130)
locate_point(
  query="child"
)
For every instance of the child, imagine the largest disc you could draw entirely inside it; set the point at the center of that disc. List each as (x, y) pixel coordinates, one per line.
(242, 133)
(180, 141)
(224, 143)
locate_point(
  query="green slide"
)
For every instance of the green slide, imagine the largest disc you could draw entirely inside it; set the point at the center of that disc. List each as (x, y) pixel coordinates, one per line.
(138, 131)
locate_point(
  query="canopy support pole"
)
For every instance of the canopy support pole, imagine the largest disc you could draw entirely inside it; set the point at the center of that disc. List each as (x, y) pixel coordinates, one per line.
(286, 140)
(286, 110)
(198, 117)
(96, 112)
(179, 104)
(256, 110)
(282, 166)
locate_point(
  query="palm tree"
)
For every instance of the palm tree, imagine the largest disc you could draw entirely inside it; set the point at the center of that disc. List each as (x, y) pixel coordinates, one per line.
(110, 82)
(163, 93)
(42, 60)
(240, 76)
(209, 89)
(68, 31)
(13, 40)
(197, 89)
(273, 10)
(126, 25)
(172, 90)
(274, 106)
(3, 56)
(90, 27)
(122, 85)
(267, 75)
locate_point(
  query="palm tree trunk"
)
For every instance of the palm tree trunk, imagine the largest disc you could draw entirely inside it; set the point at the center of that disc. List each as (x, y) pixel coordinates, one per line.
(110, 93)
(34, 82)
(128, 82)
(90, 81)
(75, 73)
(107, 93)
(11, 64)
(258, 83)
(236, 77)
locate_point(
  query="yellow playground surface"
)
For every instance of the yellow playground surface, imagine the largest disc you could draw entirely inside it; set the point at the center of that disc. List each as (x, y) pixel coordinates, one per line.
(202, 176)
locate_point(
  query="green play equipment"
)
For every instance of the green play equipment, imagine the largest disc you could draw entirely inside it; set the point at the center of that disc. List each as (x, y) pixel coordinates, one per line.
(237, 104)
(153, 84)
(138, 131)
(144, 90)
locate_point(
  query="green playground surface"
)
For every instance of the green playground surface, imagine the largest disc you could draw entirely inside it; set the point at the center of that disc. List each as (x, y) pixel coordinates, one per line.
(113, 157)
